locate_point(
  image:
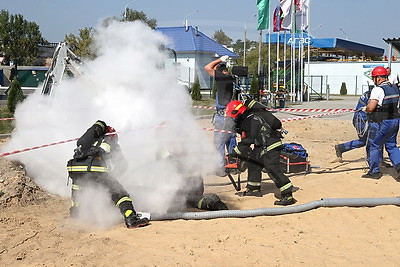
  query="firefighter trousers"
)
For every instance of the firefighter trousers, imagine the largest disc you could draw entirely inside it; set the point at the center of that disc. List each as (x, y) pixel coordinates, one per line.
(270, 162)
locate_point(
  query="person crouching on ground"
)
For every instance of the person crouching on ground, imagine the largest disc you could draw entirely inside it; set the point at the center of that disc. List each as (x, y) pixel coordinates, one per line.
(260, 128)
(97, 151)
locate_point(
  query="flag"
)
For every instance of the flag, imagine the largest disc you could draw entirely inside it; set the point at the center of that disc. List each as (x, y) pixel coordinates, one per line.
(263, 14)
(304, 11)
(286, 6)
(278, 19)
(301, 14)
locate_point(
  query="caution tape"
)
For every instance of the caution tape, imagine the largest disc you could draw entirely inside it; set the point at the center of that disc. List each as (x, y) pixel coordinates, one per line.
(164, 124)
(312, 110)
(6, 119)
(313, 116)
(67, 141)
(36, 147)
(204, 107)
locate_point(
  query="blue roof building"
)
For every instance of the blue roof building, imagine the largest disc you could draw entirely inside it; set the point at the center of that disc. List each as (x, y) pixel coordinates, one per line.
(333, 46)
(194, 50)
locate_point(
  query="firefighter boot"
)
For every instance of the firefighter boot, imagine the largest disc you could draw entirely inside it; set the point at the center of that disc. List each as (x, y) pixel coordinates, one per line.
(253, 193)
(134, 220)
(338, 150)
(286, 200)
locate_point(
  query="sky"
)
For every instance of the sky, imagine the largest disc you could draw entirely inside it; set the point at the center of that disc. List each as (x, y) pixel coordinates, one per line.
(363, 21)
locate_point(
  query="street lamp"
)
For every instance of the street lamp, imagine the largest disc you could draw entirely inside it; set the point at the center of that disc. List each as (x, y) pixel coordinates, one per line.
(185, 23)
(244, 43)
(315, 28)
(345, 35)
(126, 8)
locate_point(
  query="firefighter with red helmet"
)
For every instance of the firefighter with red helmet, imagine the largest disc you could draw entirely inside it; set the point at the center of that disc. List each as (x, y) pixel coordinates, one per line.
(260, 128)
(383, 117)
(96, 160)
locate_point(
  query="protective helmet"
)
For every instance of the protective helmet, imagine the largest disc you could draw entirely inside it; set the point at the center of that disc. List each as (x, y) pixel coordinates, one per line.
(111, 132)
(234, 109)
(379, 71)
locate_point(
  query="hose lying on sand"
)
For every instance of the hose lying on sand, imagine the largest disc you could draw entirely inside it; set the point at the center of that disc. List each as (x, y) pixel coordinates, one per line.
(327, 202)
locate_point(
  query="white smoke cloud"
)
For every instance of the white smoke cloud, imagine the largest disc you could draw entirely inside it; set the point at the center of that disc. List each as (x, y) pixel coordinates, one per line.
(126, 87)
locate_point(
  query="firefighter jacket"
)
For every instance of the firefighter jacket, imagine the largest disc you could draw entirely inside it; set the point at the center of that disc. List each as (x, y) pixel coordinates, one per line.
(389, 108)
(259, 127)
(102, 157)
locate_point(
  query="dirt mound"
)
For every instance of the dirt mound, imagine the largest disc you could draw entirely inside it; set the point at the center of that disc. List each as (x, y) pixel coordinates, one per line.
(16, 188)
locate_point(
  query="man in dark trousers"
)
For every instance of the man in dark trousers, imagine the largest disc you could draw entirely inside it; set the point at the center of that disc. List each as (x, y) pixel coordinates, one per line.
(97, 158)
(218, 70)
(260, 128)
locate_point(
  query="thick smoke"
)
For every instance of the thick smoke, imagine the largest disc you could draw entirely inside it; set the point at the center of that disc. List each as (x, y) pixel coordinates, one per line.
(127, 87)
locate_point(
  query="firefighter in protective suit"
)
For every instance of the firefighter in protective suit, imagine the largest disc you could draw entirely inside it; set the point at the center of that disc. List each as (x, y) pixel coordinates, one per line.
(260, 128)
(97, 158)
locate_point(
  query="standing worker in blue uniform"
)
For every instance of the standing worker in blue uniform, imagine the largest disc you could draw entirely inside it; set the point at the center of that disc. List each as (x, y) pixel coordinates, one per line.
(383, 114)
(360, 122)
(218, 70)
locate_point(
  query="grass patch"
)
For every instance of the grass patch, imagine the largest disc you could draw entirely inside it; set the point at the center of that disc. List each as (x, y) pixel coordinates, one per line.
(6, 126)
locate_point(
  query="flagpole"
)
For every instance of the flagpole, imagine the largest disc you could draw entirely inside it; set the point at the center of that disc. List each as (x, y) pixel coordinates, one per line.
(259, 61)
(293, 67)
(309, 50)
(269, 58)
(284, 59)
(301, 54)
(277, 63)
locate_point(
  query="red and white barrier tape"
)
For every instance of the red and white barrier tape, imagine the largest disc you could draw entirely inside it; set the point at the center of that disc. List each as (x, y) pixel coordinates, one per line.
(6, 119)
(313, 116)
(67, 141)
(204, 107)
(313, 110)
(36, 147)
(296, 109)
(164, 124)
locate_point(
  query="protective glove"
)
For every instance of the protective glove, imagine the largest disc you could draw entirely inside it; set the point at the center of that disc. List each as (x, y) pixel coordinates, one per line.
(235, 152)
(224, 58)
(364, 109)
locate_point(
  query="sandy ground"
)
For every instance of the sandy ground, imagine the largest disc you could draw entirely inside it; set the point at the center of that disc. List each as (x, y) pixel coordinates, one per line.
(35, 229)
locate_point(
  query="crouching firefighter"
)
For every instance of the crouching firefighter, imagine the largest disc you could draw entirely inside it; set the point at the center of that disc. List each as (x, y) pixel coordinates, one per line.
(98, 154)
(260, 128)
(191, 192)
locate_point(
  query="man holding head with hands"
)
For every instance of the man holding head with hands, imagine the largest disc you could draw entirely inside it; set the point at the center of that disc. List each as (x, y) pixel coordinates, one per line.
(219, 71)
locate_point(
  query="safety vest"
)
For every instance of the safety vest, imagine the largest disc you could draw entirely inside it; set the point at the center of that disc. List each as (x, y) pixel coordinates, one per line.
(389, 108)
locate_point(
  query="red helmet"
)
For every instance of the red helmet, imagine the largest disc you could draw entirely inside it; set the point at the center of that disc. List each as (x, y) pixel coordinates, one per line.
(379, 71)
(111, 132)
(234, 108)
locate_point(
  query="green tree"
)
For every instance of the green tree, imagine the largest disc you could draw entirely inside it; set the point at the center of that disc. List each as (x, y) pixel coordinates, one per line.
(214, 90)
(15, 95)
(82, 45)
(254, 85)
(19, 38)
(222, 38)
(132, 15)
(238, 48)
(343, 89)
(196, 94)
